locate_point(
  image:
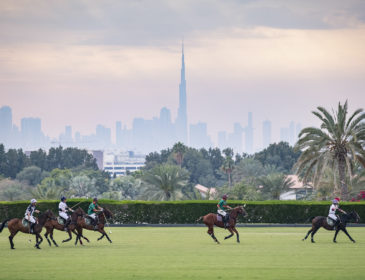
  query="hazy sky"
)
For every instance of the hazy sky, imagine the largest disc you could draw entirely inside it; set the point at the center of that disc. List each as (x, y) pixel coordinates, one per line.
(89, 62)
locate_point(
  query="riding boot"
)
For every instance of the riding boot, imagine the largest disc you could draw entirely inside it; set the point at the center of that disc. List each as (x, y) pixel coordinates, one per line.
(67, 224)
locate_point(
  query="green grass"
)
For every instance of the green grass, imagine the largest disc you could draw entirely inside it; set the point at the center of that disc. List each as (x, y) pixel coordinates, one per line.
(188, 253)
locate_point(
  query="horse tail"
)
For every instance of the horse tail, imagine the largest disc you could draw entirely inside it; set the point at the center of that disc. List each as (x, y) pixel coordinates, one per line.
(310, 219)
(3, 225)
(199, 219)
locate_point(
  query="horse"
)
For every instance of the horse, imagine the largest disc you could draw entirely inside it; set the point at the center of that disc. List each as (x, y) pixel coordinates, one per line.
(321, 221)
(15, 225)
(83, 223)
(211, 219)
(54, 224)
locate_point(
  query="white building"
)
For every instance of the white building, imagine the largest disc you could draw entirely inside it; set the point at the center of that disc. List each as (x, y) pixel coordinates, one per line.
(119, 163)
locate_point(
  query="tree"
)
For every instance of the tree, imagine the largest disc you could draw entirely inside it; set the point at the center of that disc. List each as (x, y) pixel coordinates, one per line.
(39, 159)
(228, 164)
(32, 174)
(166, 182)
(178, 150)
(83, 186)
(275, 184)
(280, 155)
(338, 143)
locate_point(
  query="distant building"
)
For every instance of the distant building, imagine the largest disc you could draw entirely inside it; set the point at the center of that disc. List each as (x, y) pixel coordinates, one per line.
(298, 190)
(249, 135)
(266, 133)
(198, 136)
(118, 163)
(222, 140)
(210, 193)
(182, 119)
(99, 156)
(6, 124)
(31, 131)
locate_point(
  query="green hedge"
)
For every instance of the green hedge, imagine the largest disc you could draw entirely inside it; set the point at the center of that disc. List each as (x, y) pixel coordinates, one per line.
(187, 212)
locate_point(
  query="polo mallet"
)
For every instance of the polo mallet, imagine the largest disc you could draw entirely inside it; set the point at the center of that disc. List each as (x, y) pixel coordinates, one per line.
(75, 205)
(29, 240)
(107, 223)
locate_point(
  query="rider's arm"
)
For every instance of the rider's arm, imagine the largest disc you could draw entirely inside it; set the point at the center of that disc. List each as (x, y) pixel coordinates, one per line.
(342, 211)
(227, 206)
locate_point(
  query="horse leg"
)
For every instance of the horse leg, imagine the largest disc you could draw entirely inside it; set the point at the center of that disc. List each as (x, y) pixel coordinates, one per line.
(107, 236)
(54, 242)
(348, 235)
(11, 236)
(69, 237)
(88, 241)
(238, 236)
(211, 233)
(38, 242)
(102, 235)
(313, 233)
(334, 238)
(46, 236)
(229, 236)
(309, 231)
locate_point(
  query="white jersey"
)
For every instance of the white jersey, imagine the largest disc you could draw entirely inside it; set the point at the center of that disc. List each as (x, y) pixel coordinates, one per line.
(62, 207)
(332, 212)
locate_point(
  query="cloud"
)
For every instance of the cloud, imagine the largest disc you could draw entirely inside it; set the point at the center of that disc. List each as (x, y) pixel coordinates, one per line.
(159, 22)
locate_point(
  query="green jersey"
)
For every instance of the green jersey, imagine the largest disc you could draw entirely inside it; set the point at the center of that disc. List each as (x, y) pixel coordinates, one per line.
(92, 206)
(221, 204)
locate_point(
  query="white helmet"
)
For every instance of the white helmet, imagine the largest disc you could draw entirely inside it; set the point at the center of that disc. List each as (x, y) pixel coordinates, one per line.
(33, 201)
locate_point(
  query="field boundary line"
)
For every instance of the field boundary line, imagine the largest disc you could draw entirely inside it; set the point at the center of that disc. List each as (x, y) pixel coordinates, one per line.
(238, 225)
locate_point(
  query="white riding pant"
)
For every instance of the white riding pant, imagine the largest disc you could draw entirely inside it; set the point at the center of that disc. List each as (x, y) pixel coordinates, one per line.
(30, 219)
(93, 215)
(63, 215)
(333, 217)
(222, 212)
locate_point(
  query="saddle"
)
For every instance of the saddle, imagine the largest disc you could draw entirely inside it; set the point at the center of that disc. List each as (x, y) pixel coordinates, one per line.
(25, 222)
(330, 222)
(219, 218)
(88, 221)
(61, 220)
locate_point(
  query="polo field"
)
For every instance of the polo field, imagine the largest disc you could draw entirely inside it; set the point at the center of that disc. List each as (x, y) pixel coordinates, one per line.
(188, 253)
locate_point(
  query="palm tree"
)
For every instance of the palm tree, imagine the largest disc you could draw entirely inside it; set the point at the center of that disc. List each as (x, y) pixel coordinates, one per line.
(275, 184)
(178, 150)
(339, 143)
(228, 164)
(166, 182)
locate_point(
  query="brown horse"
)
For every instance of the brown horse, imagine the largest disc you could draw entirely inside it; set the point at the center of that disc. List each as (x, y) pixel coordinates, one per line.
(53, 224)
(15, 225)
(211, 219)
(82, 223)
(321, 221)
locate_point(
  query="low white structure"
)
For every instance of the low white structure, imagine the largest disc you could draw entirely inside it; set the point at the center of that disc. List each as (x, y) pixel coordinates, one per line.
(297, 191)
(118, 163)
(205, 192)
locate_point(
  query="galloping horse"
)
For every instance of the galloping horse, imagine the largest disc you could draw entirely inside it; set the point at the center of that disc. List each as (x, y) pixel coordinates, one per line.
(321, 221)
(15, 225)
(83, 223)
(212, 219)
(53, 224)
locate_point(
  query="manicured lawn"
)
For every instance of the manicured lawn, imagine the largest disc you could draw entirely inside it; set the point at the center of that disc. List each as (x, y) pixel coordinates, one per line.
(188, 253)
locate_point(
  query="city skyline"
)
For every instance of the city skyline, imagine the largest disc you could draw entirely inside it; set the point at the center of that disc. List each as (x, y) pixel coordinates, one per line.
(85, 63)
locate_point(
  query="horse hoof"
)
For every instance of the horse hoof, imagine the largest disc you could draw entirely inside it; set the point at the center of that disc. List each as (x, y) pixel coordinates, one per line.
(238, 241)
(12, 248)
(38, 247)
(111, 241)
(353, 241)
(313, 241)
(334, 241)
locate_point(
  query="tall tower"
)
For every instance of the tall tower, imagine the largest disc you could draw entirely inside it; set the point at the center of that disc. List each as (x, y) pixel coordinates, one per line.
(181, 120)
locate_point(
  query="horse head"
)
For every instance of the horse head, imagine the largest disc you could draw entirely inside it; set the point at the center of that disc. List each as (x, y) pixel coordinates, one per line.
(355, 216)
(108, 214)
(240, 210)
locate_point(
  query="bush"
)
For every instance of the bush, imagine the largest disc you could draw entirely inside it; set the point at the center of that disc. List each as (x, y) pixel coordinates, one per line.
(187, 212)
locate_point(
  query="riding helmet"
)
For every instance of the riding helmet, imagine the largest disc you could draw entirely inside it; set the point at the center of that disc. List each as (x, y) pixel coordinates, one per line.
(33, 201)
(63, 198)
(225, 196)
(95, 199)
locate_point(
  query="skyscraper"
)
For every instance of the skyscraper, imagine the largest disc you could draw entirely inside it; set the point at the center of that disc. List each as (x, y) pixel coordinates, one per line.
(6, 124)
(249, 135)
(266, 133)
(31, 130)
(181, 120)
